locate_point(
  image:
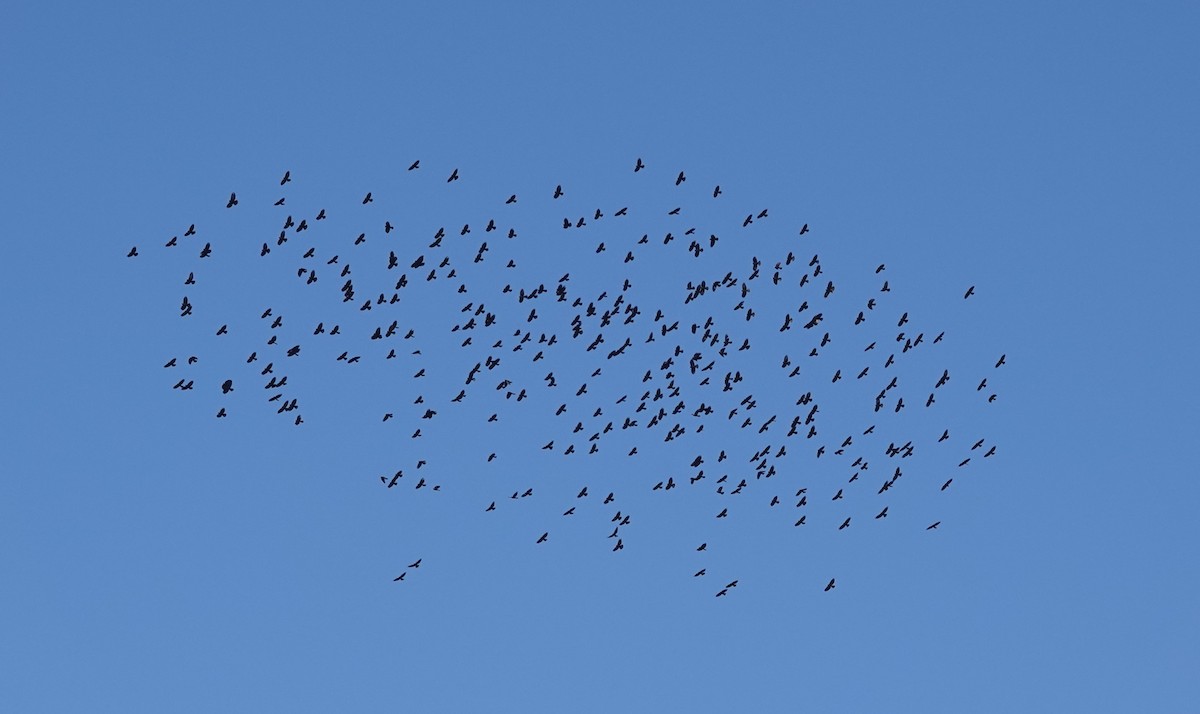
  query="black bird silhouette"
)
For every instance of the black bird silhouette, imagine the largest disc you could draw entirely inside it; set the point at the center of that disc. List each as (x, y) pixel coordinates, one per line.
(638, 166)
(558, 191)
(132, 252)
(453, 176)
(232, 201)
(1000, 361)
(545, 536)
(416, 564)
(287, 176)
(935, 525)
(969, 293)
(227, 386)
(367, 199)
(680, 178)
(417, 164)
(831, 585)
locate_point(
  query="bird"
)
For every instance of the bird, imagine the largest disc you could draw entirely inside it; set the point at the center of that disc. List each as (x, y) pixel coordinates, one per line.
(416, 564)
(453, 175)
(232, 201)
(638, 166)
(558, 191)
(680, 178)
(417, 164)
(969, 293)
(132, 252)
(287, 176)
(544, 537)
(933, 526)
(831, 585)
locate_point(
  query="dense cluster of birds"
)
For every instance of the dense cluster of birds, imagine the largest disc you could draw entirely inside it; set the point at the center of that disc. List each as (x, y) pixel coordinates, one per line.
(681, 385)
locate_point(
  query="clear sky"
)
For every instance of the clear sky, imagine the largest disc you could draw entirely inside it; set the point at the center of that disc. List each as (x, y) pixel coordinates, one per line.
(156, 558)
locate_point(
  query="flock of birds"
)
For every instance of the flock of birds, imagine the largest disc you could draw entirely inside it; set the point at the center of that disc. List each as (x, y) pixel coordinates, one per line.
(616, 366)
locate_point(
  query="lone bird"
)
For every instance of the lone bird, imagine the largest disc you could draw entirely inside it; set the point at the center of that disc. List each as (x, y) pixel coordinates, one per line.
(831, 585)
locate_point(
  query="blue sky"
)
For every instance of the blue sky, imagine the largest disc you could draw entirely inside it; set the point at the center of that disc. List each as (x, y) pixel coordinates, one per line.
(157, 558)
